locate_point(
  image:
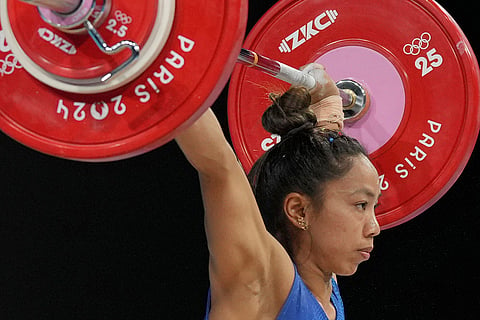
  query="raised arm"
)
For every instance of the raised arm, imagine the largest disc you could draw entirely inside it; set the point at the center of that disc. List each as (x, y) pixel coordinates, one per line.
(250, 272)
(246, 262)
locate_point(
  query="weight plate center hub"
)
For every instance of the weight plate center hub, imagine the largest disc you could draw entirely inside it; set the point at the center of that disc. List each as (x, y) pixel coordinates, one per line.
(377, 124)
(73, 21)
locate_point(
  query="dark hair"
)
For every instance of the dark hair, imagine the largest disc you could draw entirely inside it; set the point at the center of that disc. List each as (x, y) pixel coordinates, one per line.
(304, 161)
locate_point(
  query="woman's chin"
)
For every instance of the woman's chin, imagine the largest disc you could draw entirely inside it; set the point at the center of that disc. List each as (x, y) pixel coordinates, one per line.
(348, 271)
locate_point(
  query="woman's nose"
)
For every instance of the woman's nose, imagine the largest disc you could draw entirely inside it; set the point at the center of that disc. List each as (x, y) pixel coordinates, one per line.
(372, 228)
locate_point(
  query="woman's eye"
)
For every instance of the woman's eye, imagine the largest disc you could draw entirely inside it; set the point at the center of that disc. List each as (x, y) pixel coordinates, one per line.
(361, 206)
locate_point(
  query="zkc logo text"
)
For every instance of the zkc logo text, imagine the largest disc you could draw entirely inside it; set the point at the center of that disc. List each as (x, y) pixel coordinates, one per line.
(309, 30)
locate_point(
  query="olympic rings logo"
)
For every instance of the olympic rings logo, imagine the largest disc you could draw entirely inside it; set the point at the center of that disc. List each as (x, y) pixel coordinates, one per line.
(418, 44)
(9, 65)
(122, 17)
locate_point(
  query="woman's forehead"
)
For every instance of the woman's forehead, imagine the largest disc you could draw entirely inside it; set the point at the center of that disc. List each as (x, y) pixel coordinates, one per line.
(362, 178)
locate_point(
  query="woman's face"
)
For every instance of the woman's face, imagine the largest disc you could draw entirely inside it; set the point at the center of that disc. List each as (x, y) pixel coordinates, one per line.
(343, 228)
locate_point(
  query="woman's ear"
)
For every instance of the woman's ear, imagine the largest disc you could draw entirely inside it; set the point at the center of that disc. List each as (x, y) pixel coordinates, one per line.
(294, 207)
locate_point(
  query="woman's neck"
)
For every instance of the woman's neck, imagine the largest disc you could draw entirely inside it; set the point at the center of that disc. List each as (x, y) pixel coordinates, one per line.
(318, 281)
(320, 284)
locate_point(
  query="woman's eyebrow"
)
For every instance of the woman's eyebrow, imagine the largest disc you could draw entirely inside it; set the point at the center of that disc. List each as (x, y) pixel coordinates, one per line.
(367, 192)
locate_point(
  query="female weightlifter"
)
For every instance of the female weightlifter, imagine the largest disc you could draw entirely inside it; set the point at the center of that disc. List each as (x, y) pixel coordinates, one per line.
(305, 214)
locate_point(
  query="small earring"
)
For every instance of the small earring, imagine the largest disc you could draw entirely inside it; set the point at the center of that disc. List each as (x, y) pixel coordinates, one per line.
(302, 223)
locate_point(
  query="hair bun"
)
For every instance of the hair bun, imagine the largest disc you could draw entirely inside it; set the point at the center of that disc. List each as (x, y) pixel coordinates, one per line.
(289, 111)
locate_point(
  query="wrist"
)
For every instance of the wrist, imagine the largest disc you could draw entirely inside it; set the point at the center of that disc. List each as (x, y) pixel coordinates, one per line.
(329, 112)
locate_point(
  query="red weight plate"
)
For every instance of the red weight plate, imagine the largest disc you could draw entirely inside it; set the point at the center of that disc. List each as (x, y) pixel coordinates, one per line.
(181, 82)
(418, 67)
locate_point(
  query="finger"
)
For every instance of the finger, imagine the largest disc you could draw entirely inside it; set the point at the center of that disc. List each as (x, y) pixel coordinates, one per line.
(317, 71)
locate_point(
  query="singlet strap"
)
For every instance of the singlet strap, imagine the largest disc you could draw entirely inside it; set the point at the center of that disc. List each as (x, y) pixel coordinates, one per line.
(209, 304)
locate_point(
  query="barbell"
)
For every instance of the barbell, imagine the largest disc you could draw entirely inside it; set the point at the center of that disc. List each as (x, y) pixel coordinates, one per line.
(104, 80)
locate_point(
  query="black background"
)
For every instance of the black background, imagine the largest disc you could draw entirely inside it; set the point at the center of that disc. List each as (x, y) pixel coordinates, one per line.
(125, 240)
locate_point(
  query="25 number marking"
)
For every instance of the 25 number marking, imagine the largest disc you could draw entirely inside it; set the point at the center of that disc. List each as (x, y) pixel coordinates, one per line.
(435, 60)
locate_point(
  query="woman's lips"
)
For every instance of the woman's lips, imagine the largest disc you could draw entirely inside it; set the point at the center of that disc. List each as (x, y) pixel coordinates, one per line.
(365, 252)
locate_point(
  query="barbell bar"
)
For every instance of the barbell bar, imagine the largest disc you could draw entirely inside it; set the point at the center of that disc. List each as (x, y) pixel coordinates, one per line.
(355, 99)
(60, 6)
(288, 74)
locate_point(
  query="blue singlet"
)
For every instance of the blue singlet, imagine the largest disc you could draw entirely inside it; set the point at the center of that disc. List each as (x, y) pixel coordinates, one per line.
(302, 305)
